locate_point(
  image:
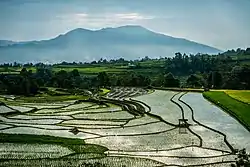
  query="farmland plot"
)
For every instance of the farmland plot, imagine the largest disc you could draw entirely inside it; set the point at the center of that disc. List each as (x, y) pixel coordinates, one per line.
(157, 127)
(113, 115)
(161, 105)
(141, 121)
(34, 117)
(134, 134)
(4, 109)
(79, 106)
(21, 108)
(93, 122)
(4, 126)
(31, 151)
(218, 119)
(51, 132)
(33, 121)
(147, 142)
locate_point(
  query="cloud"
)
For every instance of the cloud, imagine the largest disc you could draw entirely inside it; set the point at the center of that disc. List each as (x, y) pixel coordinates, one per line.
(132, 16)
(100, 20)
(81, 15)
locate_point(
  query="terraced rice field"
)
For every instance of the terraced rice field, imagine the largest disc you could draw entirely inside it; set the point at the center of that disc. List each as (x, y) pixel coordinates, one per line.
(138, 129)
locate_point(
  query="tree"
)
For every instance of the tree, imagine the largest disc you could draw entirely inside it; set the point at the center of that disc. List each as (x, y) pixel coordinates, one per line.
(248, 51)
(238, 78)
(215, 80)
(158, 81)
(194, 81)
(60, 77)
(43, 76)
(171, 81)
(75, 73)
(103, 79)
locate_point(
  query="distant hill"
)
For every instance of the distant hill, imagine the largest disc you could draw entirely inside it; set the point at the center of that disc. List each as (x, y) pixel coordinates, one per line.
(129, 42)
(6, 43)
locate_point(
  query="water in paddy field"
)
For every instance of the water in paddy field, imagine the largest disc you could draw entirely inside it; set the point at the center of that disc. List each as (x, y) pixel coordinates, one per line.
(213, 116)
(155, 138)
(204, 112)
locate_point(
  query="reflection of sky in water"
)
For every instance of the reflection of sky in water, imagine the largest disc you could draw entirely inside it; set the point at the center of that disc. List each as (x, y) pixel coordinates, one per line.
(59, 133)
(213, 116)
(161, 105)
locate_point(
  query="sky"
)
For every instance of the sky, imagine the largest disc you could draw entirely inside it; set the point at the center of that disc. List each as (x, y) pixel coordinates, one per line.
(224, 24)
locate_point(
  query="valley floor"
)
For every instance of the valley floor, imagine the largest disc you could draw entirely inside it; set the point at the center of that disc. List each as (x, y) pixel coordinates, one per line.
(126, 127)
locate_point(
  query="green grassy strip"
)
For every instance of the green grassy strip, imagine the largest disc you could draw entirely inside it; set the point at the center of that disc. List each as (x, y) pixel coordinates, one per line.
(43, 99)
(243, 96)
(235, 108)
(88, 148)
(38, 139)
(103, 91)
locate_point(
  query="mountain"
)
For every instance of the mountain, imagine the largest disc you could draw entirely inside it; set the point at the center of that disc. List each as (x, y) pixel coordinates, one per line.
(6, 42)
(129, 42)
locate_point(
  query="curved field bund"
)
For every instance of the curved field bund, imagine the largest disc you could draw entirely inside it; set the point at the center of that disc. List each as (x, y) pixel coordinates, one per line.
(136, 128)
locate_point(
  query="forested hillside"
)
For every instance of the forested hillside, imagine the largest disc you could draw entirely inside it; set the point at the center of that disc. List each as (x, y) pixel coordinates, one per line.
(230, 70)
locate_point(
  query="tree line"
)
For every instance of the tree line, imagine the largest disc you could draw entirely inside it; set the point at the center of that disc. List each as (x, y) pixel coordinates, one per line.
(29, 83)
(224, 70)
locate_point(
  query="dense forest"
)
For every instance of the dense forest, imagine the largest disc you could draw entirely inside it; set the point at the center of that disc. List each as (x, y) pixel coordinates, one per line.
(229, 70)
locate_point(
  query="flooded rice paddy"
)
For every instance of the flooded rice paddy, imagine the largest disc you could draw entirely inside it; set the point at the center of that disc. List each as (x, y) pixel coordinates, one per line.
(139, 129)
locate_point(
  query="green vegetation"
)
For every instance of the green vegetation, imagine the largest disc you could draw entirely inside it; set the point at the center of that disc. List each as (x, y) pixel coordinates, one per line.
(103, 91)
(89, 70)
(25, 138)
(48, 98)
(88, 148)
(239, 110)
(223, 71)
(243, 96)
(42, 98)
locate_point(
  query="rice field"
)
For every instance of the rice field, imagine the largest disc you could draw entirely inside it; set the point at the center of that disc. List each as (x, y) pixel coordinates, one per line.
(22, 151)
(122, 132)
(93, 122)
(4, 126)
(21, 108)
(241, 95)
(34, 117)
(214, 117)
(157, 127)
(34, 121)
(109, 115)
(4, 110)
(51, 132)
(162, 106)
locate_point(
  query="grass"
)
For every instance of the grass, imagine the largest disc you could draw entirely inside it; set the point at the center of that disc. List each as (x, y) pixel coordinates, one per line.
(89, 148)
(147, 69)
(89, 70)
(47, 98)
(236, 108)
(240, 95)
(103, 91)
(37, 139)
(42, 98)
(16, 69)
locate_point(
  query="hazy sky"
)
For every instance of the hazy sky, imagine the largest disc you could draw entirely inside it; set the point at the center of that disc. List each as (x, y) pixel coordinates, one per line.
(224, 24)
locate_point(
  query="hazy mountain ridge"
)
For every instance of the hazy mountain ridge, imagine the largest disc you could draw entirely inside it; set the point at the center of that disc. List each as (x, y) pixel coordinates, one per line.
(6, 43)
(129, 42)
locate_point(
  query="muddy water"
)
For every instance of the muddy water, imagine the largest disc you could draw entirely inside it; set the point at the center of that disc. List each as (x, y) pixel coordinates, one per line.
(211, 115)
